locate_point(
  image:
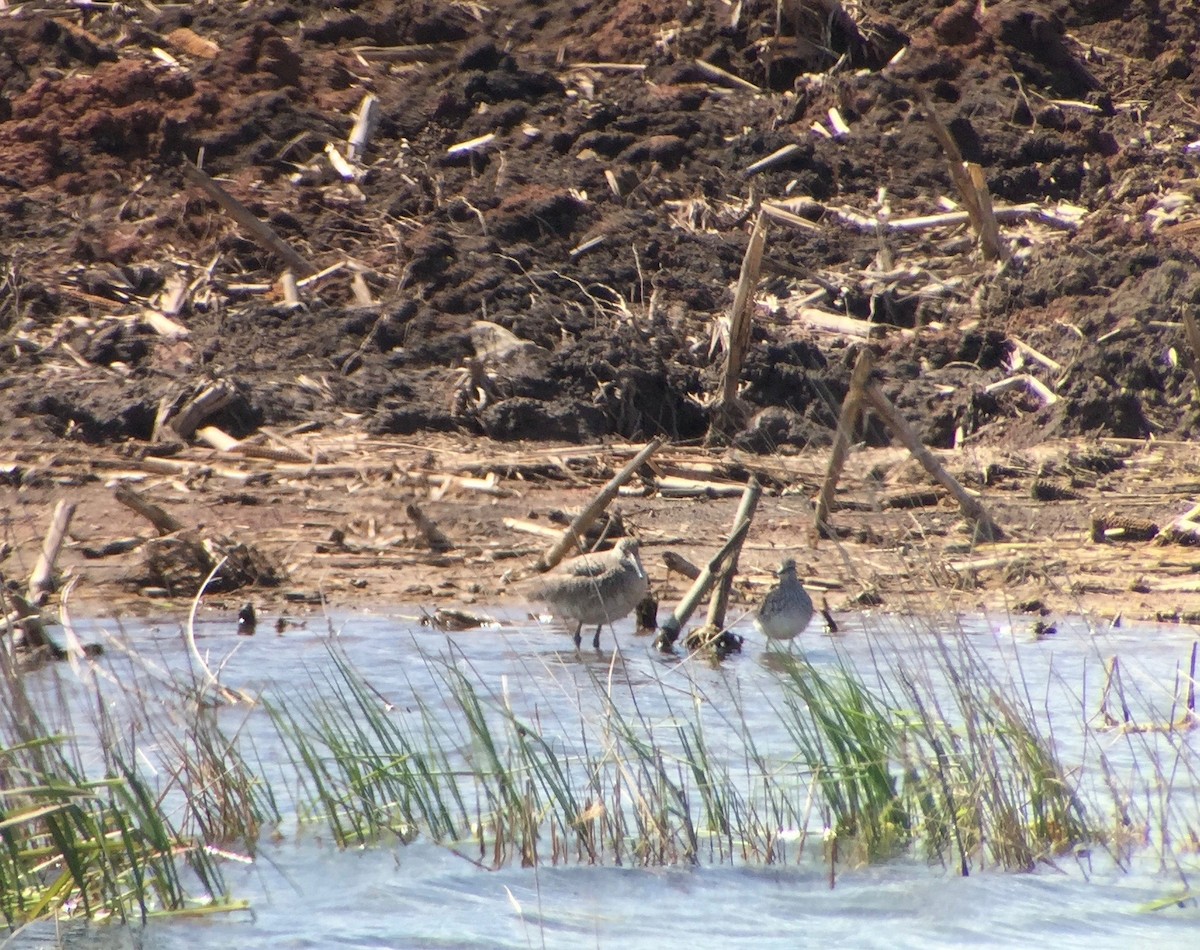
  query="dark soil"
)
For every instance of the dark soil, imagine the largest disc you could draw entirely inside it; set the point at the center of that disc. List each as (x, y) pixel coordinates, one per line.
(1085, 102)
(605, 223)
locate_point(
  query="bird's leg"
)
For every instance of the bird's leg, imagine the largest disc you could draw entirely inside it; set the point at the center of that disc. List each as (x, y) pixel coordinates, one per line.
(596, 639)
(578, 638)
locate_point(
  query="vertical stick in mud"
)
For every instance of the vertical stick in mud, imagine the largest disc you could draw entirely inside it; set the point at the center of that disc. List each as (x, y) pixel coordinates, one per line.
(725, 414)
(720, 598)
(851, 410)
(41, 581)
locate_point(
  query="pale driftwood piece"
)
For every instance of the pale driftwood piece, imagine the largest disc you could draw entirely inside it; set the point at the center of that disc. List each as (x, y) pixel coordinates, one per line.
(726, 415)
(780, 211)
(428, 528)
(531, 527)
(364, 127)
(472, 145)
(847, 422)
(777, 157)
(345, 170)
(783, 215)
(720, 75)
(259, 230)
(1023, 380)
(322, 274)
(362, 293)
(614, 67)
(673, 486)
(157, 466)
(41, 581)
(719, 602)
(680, 565)
(163, 523)
(212, 399)
(219, 440)
(836, 323)
(572, 534)
(164, 326)
(971, 507)
(1036, 355)
(289, 290)
(838, 124)
(173, 296)
(668, 632)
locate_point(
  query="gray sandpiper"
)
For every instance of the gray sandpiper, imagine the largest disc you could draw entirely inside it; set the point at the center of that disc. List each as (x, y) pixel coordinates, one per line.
(596, 588)
(787, 608)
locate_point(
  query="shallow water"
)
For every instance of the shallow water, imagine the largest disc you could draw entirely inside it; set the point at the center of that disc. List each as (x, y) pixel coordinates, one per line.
(307, 893)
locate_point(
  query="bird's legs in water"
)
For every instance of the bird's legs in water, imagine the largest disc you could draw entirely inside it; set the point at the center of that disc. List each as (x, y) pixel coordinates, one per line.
(595, 639)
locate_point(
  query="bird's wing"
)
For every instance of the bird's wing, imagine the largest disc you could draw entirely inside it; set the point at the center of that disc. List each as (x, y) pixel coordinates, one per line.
(584, 567)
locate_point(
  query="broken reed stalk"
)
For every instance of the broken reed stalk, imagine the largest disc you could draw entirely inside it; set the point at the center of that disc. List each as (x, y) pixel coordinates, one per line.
(668, 632)
(572, 534)
(851, 411)
(365, 121)
(210, 400)
(261, 232)
(720, 598)
(428, 529)
(972, 508)
(725, 412)
(41, 581)
(163, 523)
(968, 179)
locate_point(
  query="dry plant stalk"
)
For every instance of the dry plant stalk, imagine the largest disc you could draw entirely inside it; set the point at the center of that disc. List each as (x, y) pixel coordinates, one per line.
(668, 632)
(428, 528)
(575, 530)
(847, 421)
(968, 179)
(262, 233)
(41, 581)
(970, 506)
(163, 523)
(740, 320)
(719, 603)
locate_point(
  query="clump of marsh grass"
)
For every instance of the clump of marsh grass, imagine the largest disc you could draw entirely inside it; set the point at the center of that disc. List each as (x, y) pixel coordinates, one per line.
(78, 840)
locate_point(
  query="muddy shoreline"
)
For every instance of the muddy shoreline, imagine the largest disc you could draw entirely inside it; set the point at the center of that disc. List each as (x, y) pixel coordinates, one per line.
(535, 251)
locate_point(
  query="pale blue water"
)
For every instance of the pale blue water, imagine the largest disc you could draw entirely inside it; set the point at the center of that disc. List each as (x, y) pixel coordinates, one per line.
(307, 893)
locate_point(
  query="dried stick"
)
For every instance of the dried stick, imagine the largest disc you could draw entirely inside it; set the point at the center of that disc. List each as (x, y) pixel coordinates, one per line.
(851, 410)
(432, 534)
(574, 531)
(668, 633)
(212, 399)
(969, 183)
(41, 581)
(260, 231)
(985, 527)
(163, 523)
(364, 126)
(739, 328)
(720, 598)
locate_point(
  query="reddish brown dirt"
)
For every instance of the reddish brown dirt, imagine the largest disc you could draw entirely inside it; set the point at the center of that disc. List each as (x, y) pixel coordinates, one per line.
(1086, 102)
